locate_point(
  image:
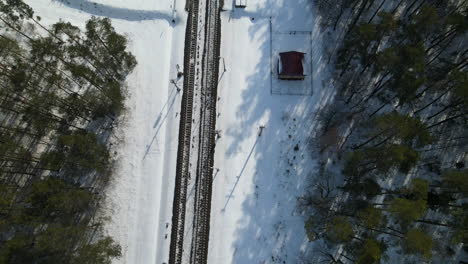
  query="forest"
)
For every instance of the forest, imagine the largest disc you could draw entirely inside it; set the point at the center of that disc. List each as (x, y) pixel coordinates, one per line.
(62, 93)
(392, 186)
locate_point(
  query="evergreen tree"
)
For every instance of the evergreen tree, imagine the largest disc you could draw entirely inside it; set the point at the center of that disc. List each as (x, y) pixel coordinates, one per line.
(418, 242)
(370, 253)
(371, 217)
(339, 230)
(406, 210)
(100, 252)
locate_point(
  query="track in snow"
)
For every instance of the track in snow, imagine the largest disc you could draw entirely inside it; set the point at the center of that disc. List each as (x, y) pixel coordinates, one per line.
(202, 37)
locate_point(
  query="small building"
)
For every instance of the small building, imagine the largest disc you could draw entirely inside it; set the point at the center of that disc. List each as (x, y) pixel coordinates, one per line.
(240, 3)
(290, 65)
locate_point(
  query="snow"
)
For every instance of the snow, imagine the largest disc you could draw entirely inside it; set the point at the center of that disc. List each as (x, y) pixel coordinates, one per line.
(254, 216)
(139, 200)
(292, 41)
(195, 134)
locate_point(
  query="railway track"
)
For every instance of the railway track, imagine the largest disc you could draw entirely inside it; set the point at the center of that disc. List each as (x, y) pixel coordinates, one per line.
(210, 69)
(204, 138)
(185, 127)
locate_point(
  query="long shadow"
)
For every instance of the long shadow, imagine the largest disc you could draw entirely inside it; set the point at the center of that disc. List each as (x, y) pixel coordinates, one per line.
(116, 12)
(240, 175)
(270, 229)
(164, 107)
(159, 122)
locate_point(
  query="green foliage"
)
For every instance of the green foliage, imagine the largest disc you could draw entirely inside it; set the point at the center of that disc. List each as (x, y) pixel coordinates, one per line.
(353, 163)
(100, 252)
(396, 155)
(406, 85)
(461, 87)
(423, 23)
(83, 152)
(406, 210)
(7, 144)
(56, 241)
(367, 187)
(38, 113)
(418, 242)
(115, 93)
(56, 199)
(7, 46)
(367, 32)
(72, 107)
(18, 78)
(387, 58)
(370, 253)
(85, 73)
(17, 250)
(458, 20)
(45, 49)
(460, 224)
(439, 200)
(101, 31)
(52, 160)
(457, 180)
(99, 105)
(417, 190)
(407, 63)
(57, 244)
(411, 58)
(404, 58)
(381, 159)
(371, 217)
(402, 127)
(339, 230)
(63, 29)
(59, 89)
(364, 38)
(388, 23)
(15, 10)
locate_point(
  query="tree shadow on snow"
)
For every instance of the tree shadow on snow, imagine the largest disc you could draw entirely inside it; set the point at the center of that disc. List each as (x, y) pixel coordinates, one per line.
(271, 227)
(97, 9)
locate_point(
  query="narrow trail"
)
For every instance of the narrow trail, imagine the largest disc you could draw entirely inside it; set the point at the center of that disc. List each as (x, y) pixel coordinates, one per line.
(191, 213)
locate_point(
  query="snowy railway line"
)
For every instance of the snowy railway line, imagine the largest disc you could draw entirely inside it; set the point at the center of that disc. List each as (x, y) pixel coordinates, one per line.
(191, 213)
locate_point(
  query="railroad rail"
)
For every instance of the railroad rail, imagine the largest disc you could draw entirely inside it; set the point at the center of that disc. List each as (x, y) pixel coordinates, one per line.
(204, 181)
(185, 127)
(206, 133)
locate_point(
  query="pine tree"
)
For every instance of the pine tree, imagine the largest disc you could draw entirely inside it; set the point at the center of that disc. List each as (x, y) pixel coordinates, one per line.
(382, 159)
(418, 242)
(371, 217)
(57, 92)
(397, 127)
(339, 230)
(456, 181)
(417, 190)
(406, 210)
(370, 252)
(83, 153)
(100, 252)
(53, 199)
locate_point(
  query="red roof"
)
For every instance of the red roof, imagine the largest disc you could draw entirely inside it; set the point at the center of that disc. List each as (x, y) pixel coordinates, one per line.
(291, 63)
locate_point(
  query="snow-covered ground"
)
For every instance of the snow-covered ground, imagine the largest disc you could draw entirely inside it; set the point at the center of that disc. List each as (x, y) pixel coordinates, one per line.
(139, 201)
(254, 218)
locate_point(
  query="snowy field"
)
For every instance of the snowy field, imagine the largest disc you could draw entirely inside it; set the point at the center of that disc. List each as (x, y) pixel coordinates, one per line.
(139, 202)
(254, 218)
